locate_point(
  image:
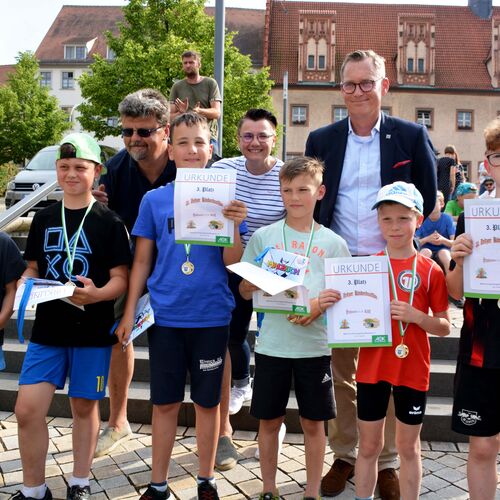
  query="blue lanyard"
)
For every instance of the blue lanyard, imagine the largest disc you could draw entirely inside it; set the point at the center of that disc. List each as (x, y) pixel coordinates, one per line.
(28, 286)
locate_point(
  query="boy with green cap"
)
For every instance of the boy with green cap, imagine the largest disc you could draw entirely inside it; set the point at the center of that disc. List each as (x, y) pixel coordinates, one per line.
(84, 245)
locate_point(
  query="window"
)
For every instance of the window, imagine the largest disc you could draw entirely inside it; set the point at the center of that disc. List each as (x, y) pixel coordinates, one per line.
(420, 66)
(67, 110)
(339, 113)
(299, 115)
(387, 110)
(75, 52)
(464, 120)
(410, 65)
(467, 169)
(321, 62)
(46, 79)
(112, 121)
(111, 54)
(67, 81)
(310, 62)
(424, 117)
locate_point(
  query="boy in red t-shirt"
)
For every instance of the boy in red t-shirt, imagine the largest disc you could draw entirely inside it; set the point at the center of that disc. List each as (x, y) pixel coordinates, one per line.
(417, 284)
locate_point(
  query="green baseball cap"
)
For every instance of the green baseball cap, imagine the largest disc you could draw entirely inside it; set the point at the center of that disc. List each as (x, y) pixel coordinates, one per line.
(85, 146)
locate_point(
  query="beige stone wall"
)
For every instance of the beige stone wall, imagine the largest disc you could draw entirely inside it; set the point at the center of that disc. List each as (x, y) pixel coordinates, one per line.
(470, 144)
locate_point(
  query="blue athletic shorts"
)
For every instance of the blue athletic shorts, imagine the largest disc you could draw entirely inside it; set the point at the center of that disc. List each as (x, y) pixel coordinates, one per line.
(86, 367)
(175, 351)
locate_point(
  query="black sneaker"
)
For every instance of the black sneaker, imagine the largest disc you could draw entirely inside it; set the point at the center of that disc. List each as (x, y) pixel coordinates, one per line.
(20, 496)
(78, 493)
(207, 491)
(268, 496)
(153, 494)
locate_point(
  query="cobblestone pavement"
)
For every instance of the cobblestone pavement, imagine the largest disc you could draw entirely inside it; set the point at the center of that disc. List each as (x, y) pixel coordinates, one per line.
(126, 472)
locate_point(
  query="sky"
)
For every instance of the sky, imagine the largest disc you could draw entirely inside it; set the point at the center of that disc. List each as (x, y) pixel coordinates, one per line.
(24, 23)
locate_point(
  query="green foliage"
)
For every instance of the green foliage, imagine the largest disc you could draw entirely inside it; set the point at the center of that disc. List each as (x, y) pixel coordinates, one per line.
(153, 36)
(7, 172)
(30, 118)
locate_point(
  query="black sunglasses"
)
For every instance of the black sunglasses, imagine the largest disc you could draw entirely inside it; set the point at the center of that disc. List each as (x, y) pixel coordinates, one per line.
(141, 132)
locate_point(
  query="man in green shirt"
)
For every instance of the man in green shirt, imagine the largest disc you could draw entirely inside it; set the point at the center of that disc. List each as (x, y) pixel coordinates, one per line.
(196, 93)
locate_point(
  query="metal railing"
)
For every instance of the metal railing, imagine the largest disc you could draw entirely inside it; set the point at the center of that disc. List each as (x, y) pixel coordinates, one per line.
(23, 206)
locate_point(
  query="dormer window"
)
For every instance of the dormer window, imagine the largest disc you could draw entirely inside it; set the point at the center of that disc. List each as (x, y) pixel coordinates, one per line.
(410, 67)
(111, 54)
(75, 52)
(421, 65)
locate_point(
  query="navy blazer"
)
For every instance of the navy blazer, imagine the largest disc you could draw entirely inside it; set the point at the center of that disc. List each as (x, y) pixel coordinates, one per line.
(406, 154)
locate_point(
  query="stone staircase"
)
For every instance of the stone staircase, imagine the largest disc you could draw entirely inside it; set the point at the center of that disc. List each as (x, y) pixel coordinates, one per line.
(436, 423)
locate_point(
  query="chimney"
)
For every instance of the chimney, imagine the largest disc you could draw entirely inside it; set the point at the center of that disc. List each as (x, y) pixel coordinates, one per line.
(481, 8)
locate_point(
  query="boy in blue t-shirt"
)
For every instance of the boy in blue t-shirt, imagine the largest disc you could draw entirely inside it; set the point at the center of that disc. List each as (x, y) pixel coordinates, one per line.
(192, 305)
(436, 234)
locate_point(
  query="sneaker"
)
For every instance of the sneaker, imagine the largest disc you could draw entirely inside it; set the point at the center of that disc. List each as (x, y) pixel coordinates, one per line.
(268, 496)
(457, 302)
(281, 437)
(153, 494)
(20, 496)
(334, 482)
(388, 484)
(110, 439)
(78, 493)
(207, 491)
(238, 396)
(226, 456)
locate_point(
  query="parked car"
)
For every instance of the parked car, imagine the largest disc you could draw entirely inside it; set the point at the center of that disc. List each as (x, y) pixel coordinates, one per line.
(41, 169)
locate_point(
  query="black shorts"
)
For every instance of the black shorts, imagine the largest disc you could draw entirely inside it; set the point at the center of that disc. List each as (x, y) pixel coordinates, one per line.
(175, 351)
(373, 400)
(312, 379)
(476, 405)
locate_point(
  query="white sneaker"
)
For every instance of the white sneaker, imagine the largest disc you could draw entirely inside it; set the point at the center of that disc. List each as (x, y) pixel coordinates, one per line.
(110, 439)
(238, 396)
(281, 437)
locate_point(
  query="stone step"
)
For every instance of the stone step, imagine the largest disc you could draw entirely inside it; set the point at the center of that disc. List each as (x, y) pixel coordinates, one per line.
(436, 423)
(441, 381)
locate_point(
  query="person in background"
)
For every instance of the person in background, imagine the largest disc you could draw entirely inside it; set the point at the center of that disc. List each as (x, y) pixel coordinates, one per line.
(490, 190)
(466, 190)
(446, 172)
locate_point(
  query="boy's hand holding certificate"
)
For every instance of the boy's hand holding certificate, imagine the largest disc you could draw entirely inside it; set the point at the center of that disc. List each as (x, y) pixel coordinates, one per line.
(42, 291)
(482, 267)
(361, 318)
(200, 195)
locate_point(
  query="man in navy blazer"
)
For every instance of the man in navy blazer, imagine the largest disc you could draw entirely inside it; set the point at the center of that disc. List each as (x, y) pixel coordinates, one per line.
(361, 154)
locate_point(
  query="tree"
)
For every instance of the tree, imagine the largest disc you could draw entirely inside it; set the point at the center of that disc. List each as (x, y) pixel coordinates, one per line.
(148, 48)
(30, 118)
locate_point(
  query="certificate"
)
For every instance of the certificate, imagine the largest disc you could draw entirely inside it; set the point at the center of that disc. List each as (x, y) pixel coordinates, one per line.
(43, 291)
(362, 317)
(290, 266)
(199, 197)
(482, 267)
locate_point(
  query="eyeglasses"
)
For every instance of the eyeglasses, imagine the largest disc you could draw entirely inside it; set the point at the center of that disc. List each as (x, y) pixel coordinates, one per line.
(365, 86)
(141, 132)
(248, 137)
(493, 159)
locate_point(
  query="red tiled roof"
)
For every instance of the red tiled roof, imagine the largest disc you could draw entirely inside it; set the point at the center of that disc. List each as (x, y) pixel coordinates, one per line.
(78, 24)
(4, 72)
(462, 40)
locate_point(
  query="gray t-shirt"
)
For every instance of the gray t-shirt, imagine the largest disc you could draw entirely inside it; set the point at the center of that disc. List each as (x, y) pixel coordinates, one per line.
(203, 92)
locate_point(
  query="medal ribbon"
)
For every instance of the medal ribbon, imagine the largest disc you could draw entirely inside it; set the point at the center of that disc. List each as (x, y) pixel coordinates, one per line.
(187, 248)
(402, 330)
(28, 286)
(309, 243)
(71, 254)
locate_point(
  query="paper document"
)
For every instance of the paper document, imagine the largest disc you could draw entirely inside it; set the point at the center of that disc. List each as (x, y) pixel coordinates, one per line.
(43, 291)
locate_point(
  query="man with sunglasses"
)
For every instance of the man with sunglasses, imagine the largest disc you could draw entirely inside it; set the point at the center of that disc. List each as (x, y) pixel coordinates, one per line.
(141, 166)
(362, 153)
(490, 190)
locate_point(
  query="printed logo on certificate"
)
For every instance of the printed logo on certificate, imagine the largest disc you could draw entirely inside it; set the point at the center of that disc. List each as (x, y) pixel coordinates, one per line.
(199, 197)
(482, 267)
(292, 267)
(362, 317)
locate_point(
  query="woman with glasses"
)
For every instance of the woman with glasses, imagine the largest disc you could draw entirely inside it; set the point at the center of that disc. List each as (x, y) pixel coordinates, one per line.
(258, 186)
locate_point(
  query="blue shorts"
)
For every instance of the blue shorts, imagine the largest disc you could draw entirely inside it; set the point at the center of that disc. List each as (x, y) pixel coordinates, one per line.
(87, 368)
(175, 351)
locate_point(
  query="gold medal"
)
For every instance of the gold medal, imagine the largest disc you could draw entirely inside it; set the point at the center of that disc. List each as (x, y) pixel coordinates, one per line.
(498, 303)
(187, 267)
(402, 351)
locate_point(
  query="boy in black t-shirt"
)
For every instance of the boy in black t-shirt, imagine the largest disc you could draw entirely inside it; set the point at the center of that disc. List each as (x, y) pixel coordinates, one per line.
(84, 245)
(476, 405)
(11, 267)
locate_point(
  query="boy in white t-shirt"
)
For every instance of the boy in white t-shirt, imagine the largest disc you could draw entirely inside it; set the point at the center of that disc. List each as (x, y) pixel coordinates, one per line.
(295, 348)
